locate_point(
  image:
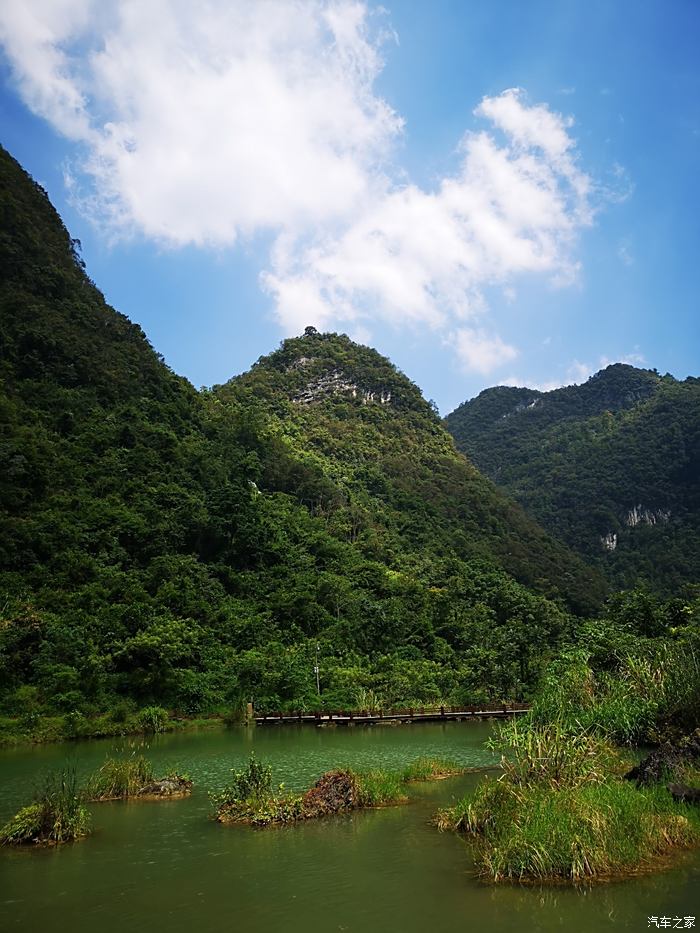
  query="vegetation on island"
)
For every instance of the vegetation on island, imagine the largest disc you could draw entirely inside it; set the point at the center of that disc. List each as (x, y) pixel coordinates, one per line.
(56, 815)
(133, 776)
(119, 777)
(250, 796)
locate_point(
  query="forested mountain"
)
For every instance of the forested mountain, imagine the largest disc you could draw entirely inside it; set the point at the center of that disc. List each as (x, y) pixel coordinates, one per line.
(195, 549)
(610, 467)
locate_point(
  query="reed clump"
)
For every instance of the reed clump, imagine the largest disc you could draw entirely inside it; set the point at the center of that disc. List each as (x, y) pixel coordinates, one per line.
(561, 811)
(57, 814)
(379, 788)
(119, 778)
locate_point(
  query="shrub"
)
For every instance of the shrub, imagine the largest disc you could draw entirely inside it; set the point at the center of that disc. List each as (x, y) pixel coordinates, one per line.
(153, 719)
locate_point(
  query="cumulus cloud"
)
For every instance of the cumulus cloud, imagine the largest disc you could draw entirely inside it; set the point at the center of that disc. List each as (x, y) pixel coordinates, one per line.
(202, 123)
(424, 258)
(205, 121)
(481, 352)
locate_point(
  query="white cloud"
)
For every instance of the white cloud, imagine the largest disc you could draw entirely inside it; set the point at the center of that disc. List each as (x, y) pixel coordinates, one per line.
(204, 121)
(200, 123)
(423, 258)
(479, 351)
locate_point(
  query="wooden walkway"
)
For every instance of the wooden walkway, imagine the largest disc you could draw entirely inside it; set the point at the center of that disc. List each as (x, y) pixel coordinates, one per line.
(366, 717)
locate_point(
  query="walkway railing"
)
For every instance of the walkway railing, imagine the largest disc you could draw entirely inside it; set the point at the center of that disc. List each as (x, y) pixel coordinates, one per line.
(412, 714)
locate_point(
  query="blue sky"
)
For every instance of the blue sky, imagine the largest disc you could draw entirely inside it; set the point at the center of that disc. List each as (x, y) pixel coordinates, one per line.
(487, 192)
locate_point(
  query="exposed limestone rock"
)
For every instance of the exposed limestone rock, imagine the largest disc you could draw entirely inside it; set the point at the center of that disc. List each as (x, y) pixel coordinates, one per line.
(300, 363)
(639, 515)
(609, 541)
(522, 406)
(175, 786)
(333, 383)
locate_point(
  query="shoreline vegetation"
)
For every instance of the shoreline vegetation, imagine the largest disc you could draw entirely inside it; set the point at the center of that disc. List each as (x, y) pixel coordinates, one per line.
(568, 806)
(251, 799)
(151, 720)
(562, 810)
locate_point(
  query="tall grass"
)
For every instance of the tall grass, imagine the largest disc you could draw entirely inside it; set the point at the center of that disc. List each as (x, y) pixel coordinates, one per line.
(647, 692)
(553, 754)
(378, 788)
(429, 769)
(536, 833)
(57, 815)
(119, 778)
(559, 811)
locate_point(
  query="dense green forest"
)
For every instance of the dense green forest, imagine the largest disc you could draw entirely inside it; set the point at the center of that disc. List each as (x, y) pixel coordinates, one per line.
(161, 545)
(610, 467)
(191, 550)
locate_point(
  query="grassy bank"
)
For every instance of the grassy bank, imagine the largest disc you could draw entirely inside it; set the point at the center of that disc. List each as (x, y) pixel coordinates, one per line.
(251, 797)
(35, 730)
(562, 811)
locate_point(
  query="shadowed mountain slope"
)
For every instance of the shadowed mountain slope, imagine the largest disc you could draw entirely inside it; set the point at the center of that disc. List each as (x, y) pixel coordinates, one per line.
(611, 467)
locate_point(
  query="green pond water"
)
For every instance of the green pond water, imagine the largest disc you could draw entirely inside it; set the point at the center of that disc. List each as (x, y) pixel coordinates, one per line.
(165, 866)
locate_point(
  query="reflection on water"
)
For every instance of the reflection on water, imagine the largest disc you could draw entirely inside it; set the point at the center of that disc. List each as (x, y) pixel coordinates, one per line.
(166, 866)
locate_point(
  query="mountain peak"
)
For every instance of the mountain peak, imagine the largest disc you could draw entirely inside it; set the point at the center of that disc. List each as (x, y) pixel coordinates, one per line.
(328, 368)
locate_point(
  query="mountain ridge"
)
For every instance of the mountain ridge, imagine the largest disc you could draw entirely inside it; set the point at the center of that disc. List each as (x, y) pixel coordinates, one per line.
(610, 467)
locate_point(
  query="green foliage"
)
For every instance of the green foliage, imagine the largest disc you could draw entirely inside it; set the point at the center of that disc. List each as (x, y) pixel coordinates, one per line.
(429, 769)
(252, 782)
(153, 719)
(379, 788)
(120, 777)
(617, 456)
(559, 811)
(534, 832)
(648, 690)
(250, 797)
(57, 815)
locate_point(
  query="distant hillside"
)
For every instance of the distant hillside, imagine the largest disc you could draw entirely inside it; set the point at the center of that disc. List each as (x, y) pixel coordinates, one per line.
(610, 467)
(161, 545)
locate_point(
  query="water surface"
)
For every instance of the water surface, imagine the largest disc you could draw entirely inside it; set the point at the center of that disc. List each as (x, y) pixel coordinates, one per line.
(152, 866)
